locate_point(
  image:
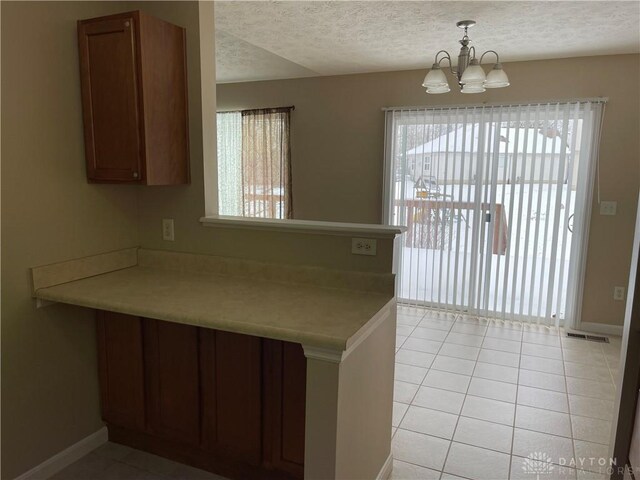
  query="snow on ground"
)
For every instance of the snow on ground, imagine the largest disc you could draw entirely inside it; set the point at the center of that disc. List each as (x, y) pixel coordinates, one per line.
(528, 280)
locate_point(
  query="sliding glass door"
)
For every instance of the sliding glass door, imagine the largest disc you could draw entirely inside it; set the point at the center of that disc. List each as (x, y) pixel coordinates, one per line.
(495, 200)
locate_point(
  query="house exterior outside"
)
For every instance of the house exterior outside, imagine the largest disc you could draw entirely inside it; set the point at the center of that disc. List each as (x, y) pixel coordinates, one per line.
(457, 157)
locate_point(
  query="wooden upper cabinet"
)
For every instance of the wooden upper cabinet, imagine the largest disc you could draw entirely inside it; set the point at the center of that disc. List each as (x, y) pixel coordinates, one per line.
(134, 98)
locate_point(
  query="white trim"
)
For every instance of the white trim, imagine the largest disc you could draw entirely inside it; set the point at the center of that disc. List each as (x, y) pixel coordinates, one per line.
(66, 457)
(387, 469)
(303, 226)
(338, 356)
(601, 328)
(42, 303)
(369, 327)
(324, 354)
(207, 74)
(574, 312)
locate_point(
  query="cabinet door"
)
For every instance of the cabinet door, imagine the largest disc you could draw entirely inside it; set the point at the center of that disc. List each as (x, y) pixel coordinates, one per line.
(232, 395)
(164, 83)
(285, 385)
(171, 353)
(110, 98)
(121, 369)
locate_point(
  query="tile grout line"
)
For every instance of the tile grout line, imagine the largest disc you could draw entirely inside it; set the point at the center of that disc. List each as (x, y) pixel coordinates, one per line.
(518, 385)
(498, 400)
(512, 383)
(604, 383)
(455, 428)
(394, 364)
(515, 412)
(425, 375)
(566, 386)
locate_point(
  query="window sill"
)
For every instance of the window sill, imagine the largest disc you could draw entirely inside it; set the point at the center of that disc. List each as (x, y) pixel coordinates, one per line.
(304, 226)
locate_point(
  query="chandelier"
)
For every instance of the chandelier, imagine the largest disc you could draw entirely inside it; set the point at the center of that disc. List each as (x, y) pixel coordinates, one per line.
(470, 75)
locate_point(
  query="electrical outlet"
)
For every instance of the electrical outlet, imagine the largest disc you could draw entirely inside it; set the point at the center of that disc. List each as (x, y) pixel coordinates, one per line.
(363, 246)
(618, 293)
(167, 229)
(608, 208)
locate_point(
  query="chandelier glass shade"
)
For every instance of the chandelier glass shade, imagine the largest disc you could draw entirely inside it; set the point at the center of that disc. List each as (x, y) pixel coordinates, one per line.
(470, 75)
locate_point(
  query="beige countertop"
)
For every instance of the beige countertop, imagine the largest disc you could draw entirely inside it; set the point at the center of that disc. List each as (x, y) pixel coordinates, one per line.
(312, 315)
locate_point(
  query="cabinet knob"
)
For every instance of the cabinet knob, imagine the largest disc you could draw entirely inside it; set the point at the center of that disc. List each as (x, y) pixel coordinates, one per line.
(135, 174)
(126, 24)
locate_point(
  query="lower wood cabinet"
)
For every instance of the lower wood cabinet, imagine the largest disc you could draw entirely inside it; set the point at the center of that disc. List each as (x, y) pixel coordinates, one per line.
(229, 403)
(285, 394)
(121, 370)
(232, 378)
(172, 384)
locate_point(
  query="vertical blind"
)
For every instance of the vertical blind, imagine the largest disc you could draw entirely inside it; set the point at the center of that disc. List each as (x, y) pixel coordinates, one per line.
(496, 202)
(254, 163)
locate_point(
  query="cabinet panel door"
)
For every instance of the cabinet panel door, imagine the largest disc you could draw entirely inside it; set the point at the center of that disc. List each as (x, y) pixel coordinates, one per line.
(121, 369)
(294, 383)
(171, 352)
(111, 107)
(285, 384)
(232, 394)
(164, 79)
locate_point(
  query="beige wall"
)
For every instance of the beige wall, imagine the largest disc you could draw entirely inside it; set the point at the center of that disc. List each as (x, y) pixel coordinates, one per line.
(49, 213)
(186, 204)
(337, 146)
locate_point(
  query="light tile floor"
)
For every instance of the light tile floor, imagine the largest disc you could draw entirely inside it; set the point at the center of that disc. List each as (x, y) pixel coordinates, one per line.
(112, 461)
(475, 398)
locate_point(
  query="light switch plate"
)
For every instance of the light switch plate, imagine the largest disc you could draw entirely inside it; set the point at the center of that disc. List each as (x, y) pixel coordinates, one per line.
(608, 208)
(167, 229)
(363, 246)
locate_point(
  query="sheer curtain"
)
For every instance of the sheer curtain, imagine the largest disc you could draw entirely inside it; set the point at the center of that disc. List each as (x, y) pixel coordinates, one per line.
(230, 164)
(496, 202)
(266, 163)
(254, 163)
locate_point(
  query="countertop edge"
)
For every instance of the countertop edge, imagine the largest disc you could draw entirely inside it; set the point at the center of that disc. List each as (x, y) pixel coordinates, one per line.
(274, 333)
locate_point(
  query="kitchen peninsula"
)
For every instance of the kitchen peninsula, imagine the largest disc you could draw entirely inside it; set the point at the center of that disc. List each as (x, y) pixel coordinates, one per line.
(243, 368)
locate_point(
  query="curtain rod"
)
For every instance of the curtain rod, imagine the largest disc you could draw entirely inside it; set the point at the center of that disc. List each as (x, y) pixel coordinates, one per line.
(291, 107)
(502, 104)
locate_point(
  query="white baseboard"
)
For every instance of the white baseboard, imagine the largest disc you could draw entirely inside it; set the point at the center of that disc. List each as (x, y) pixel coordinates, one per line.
(601, 328)
(66, 457)
(387, 468)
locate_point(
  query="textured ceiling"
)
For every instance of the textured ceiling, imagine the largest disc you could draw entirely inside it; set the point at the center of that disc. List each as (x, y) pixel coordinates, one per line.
(270, 40)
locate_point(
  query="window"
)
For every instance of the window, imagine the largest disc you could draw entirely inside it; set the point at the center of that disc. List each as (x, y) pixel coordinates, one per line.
(254, 163)
(426, 164)
(499, 226)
